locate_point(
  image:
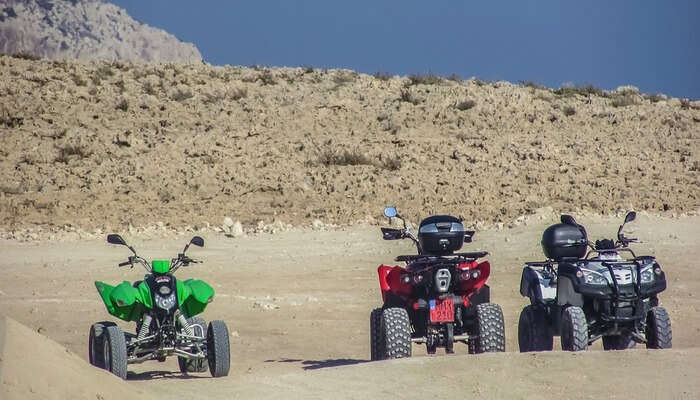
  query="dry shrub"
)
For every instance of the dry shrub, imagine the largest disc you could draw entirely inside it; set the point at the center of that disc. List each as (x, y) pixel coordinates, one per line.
(266, 78)
(465, 105)
(583, 90)
(655, 98)
(624, 100)
(345, 157)
(569, 111)
(382, 76)
(122, 105)
(69, 151)
(408, 97)
(181, 94)
(429, 79)
(532, 84)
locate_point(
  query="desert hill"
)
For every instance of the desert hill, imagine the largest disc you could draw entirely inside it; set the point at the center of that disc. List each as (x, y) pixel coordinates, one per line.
(105, 145)
(85, 29)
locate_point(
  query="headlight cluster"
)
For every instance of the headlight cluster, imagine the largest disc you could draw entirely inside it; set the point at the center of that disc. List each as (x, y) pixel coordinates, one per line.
(648, 273)
(165, 302)
(593, 277)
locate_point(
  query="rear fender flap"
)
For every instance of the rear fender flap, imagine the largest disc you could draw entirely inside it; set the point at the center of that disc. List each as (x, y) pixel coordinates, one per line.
(471, 285)
(123, 301)
(198, 294)
(530, 283)
(390, 281)
(200, 290)
(105, 290)
(566, 294)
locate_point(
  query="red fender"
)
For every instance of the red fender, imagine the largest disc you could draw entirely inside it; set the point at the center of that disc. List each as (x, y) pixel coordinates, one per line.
(390, 281)
(473, 285)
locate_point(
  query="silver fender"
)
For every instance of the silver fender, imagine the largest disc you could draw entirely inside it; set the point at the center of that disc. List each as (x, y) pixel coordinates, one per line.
(537, 285)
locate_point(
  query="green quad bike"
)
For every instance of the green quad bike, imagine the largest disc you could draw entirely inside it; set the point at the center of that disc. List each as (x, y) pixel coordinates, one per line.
(164, 310)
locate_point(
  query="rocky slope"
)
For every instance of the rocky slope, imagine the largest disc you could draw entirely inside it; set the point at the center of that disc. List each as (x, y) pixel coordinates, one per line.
(85, 29)
(105, 145)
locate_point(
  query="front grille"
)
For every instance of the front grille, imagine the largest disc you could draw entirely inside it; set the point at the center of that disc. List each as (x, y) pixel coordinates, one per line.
(623, 277)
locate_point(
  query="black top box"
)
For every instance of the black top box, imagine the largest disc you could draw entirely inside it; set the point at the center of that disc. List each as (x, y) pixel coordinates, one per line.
(564, 241)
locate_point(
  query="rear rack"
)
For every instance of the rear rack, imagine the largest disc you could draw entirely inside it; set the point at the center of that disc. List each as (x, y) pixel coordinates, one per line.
(452, 257)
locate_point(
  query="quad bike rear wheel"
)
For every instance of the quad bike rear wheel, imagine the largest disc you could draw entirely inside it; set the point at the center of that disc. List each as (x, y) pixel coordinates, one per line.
(619, 342)
(377, 342)
(396, 328)
(490, 329)
(218, 349)
(114, 352)
(95, 343)
(574, 329)
(658, 332)
(534, 332)
(199, 327)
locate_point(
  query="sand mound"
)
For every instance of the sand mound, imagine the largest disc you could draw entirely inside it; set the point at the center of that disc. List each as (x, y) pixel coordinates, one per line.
(33, 366)
(101, 145)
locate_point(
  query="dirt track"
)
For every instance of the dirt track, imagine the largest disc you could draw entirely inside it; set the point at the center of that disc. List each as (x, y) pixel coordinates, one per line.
(298, 304)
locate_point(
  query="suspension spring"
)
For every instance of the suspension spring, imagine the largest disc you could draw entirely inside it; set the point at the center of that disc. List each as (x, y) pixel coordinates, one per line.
(145, 325)
(184, 324)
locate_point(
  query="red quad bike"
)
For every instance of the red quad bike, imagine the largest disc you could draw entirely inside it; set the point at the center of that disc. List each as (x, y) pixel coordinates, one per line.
(440, 297)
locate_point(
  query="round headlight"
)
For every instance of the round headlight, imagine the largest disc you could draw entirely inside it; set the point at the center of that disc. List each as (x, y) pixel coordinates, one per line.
(164, 289)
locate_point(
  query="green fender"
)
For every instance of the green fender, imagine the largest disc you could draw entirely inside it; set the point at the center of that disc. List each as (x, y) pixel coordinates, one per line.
(145, 293)
(193, 296)
(123, 301)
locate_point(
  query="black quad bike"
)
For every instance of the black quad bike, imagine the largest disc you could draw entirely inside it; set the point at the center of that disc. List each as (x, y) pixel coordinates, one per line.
(584, 296)
(440, 297)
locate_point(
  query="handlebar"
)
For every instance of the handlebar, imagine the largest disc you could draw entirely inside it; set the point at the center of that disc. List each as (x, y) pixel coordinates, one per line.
(124, 264)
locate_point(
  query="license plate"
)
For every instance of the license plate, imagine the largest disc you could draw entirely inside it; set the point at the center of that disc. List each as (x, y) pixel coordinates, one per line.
(442, 310)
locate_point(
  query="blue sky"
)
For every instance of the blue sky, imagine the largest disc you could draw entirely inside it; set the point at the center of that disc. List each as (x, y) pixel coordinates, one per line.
(654, 45)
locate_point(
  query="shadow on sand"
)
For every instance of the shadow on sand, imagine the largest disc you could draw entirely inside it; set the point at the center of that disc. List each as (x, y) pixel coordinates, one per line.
(151, 375)
(318, 364)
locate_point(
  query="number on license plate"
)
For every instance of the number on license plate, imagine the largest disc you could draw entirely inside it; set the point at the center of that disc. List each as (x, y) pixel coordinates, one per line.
(442, 310)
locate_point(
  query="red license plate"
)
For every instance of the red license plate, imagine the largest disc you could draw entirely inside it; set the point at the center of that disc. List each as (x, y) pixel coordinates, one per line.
(442, 310)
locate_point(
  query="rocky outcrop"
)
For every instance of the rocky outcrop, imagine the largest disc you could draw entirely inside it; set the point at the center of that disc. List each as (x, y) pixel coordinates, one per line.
(85, 29)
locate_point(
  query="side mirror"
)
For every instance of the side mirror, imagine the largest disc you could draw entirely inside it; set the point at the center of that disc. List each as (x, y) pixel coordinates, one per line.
(468, 235)
(568, 220)
(113, 238)
(630, 216)
(390, 212)
(197, 241)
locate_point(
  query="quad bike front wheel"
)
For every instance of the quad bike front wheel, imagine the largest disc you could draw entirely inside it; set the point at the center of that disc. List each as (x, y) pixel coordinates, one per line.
(658, 332)
(199, 327)
(114, 352)
(218, 349)
(95, 343)
(396, 329)
(534, 332)
(574, 329)
(377, 341)
(490, 329)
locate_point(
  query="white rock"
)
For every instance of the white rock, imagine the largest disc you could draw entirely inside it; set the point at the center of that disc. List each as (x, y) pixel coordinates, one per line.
(237, 229)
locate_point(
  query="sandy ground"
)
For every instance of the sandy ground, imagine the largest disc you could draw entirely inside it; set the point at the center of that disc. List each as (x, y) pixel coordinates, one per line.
(297, 304)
